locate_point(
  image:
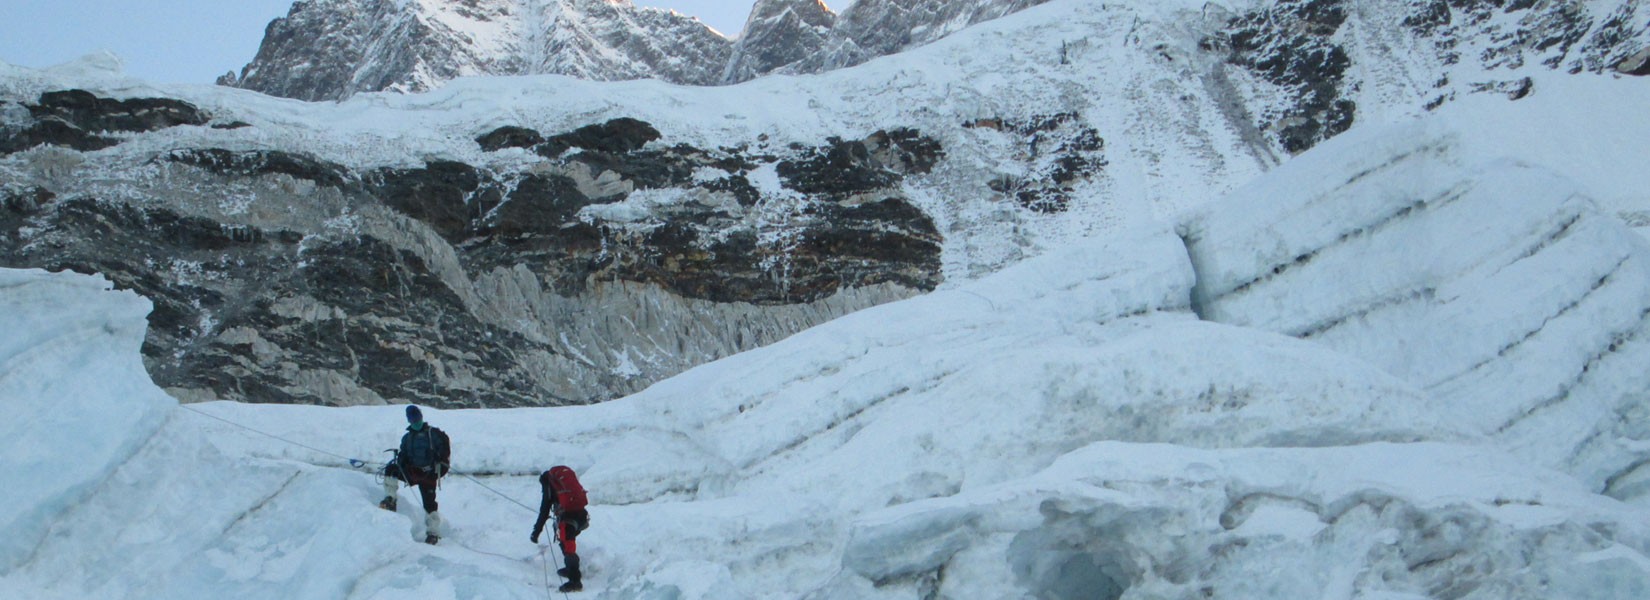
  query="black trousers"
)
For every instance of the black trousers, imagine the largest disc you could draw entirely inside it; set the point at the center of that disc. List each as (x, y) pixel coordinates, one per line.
(425, 482)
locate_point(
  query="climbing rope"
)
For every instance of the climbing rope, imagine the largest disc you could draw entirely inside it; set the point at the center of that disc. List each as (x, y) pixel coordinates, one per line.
(500, 494)
(555, 545)
(546, 564)
(358, 463)
(353, 462)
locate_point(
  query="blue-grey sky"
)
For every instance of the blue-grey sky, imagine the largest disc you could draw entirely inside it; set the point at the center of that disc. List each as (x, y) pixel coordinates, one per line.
(195, 41)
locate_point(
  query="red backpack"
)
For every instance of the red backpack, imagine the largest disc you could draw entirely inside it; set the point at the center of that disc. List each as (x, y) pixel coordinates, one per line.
(569, 494)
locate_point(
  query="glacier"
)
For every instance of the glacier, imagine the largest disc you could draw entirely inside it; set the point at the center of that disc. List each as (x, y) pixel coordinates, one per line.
(1402, 364)
(1333, 382)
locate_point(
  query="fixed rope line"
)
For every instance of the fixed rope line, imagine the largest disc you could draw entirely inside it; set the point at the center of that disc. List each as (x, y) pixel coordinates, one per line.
(546, 563)
(354, 462)
(358, 463)
(500, 494)
(555, 544)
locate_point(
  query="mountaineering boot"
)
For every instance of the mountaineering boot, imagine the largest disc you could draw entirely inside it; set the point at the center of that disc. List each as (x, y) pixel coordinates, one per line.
(432, 528)
(571, 572)
(388, 503)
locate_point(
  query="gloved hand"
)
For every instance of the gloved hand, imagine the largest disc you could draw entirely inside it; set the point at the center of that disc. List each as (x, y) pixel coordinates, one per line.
(535, 536)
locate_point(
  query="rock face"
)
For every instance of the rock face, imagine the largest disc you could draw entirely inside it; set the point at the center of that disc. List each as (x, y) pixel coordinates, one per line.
(873, 28)
(76, 119)
(1291, 54)
(779, 33)
(1061, 151)
(452, 285)
(1296, 50)
(332, 49)
(1303, 61)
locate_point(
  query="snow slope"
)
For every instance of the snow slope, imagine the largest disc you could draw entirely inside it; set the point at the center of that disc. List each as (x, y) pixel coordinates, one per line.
(1067, 427)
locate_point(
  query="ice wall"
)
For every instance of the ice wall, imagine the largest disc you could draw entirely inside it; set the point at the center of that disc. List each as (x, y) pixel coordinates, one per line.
(76, 399)
(1492, 283)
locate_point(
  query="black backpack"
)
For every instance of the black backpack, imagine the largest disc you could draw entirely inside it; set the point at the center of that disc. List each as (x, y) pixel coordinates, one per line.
(423, 449)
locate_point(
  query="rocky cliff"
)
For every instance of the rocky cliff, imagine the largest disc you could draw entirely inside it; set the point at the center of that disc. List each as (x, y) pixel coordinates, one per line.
(872, 28)
(331, 49)
(780, 33)
(614, 259)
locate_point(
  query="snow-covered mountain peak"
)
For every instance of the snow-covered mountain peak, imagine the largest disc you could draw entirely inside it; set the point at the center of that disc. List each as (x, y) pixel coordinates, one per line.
(769, 17)
(779, 33)
(331, 49)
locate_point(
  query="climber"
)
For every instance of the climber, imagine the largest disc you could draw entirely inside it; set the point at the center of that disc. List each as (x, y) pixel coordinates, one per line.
(564, 499)
(422, 460)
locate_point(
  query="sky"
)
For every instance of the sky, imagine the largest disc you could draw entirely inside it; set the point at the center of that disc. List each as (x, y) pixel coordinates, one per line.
(195, 41)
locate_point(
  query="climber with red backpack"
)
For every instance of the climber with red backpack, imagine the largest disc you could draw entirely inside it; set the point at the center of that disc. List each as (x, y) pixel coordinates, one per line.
(564, 499)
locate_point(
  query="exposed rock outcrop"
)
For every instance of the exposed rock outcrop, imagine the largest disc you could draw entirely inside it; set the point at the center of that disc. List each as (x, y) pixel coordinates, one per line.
(611, 261)
(1060, 151)
(1297, 47)
(332, 49)
(80, 120)
(779, 33)
(1291, 46)
(873, 28)
(264, 162)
